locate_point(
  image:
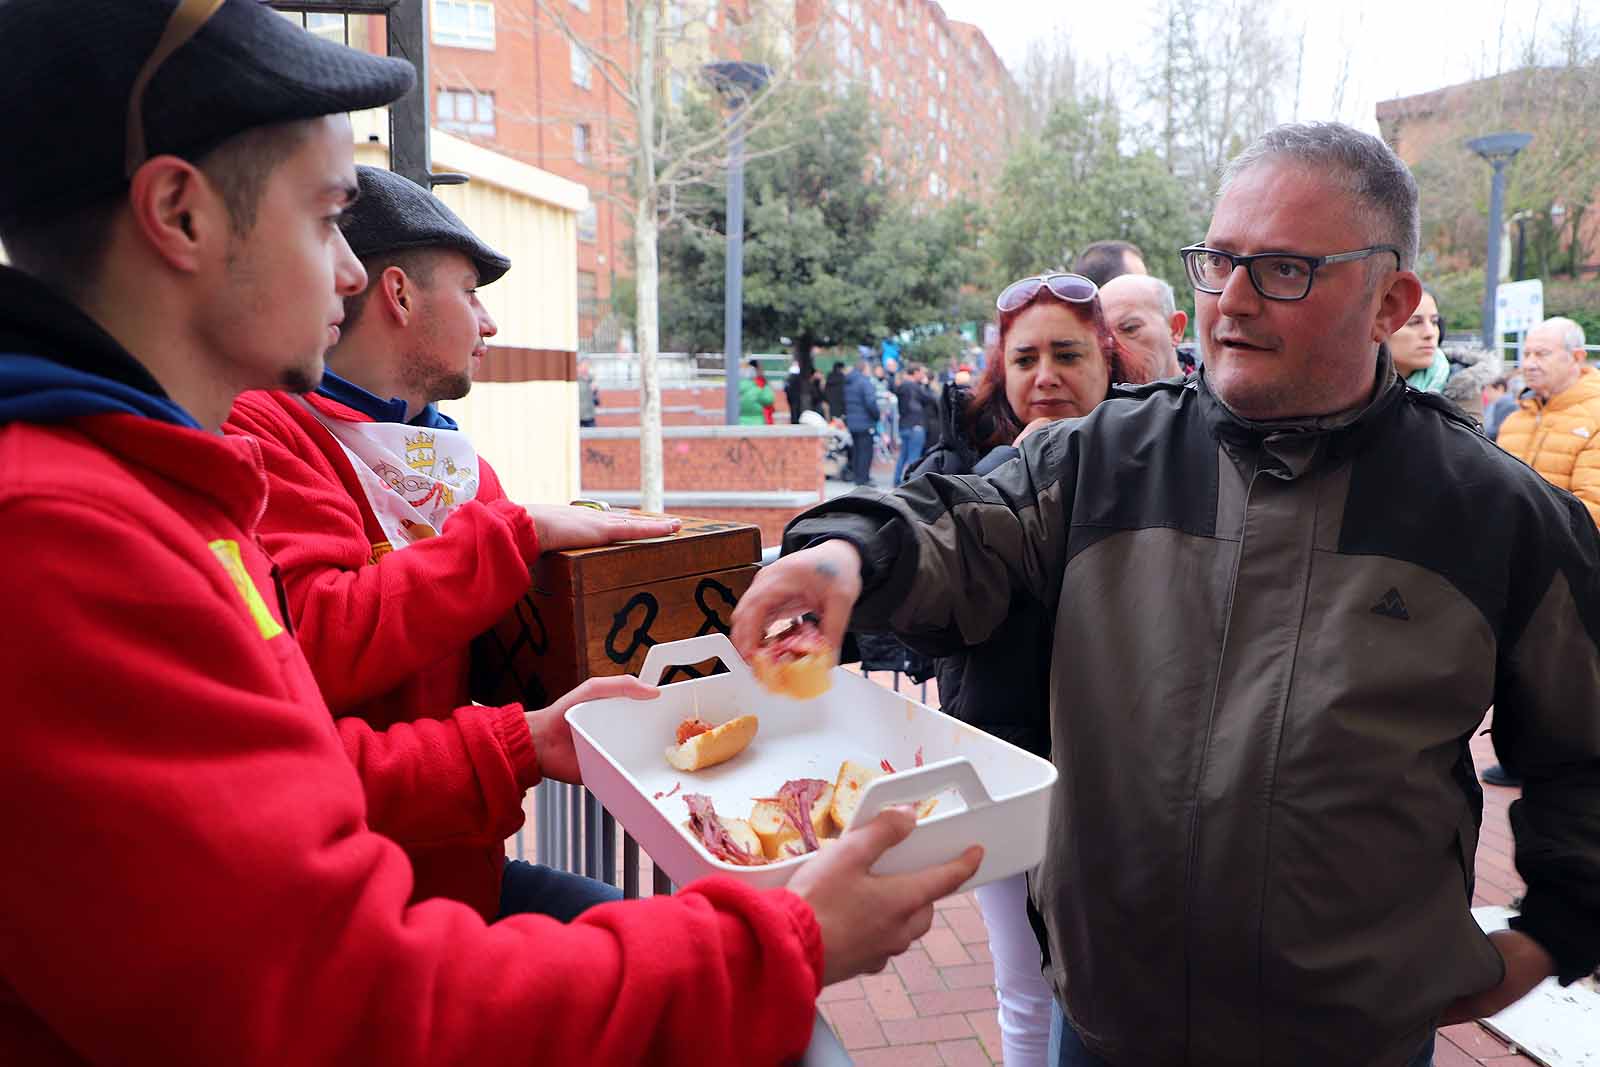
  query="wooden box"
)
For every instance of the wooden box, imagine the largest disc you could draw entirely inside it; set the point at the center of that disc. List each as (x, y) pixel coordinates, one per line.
(596, 611)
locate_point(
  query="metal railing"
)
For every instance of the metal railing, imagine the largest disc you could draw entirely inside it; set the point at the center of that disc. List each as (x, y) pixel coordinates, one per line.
(620, 370)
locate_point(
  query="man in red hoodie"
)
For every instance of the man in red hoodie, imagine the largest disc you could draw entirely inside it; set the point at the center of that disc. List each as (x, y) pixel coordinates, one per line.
(398, 547)
(187, 872)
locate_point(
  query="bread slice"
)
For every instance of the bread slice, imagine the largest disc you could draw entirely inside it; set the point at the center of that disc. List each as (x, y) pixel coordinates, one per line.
(797, 677)
(821, 814)
(774, 829)
(717, 745)
(847, 789)
(852, 781)
(743, 834)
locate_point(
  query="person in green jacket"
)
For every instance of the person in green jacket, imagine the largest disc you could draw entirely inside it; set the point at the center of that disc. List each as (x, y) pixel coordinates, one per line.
(755, 397)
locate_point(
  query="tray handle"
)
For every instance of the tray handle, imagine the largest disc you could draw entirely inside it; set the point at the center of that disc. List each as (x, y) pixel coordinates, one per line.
(692, 650)
(919, 783)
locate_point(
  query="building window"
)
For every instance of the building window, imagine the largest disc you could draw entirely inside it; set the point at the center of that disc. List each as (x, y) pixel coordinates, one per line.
(841, 50)
(580, 142)
(677, 85)
(944, 46)
(875, 35)
(581, 5)
(944, 153)
(711, 14)
(842, 9)
(463, 23)
(588, 224)
(331, 27)
(588, 302)
(941, 81)
(582, 74)
(465, 111)
(875, 79)
(933, 108)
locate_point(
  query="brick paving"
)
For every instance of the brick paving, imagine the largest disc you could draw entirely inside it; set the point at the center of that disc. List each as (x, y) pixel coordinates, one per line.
(935, 1004)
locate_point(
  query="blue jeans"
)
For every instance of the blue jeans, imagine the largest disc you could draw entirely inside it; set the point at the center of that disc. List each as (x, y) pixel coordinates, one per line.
(541, 890)
(1068, 1050)
(911, 441)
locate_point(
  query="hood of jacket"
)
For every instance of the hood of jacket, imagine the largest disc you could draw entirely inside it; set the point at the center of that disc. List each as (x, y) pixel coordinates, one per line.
(57, 363)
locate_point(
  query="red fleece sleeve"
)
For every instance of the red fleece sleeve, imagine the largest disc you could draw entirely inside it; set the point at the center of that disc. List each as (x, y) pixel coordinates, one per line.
(190, 878)
(445, 781)
(366, 627)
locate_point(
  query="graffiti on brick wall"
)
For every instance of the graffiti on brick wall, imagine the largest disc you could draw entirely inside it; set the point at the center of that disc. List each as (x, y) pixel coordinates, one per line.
(600, 458)
(744, 450)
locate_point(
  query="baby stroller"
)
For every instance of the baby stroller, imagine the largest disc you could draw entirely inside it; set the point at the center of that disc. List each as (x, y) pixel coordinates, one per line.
(836, 454)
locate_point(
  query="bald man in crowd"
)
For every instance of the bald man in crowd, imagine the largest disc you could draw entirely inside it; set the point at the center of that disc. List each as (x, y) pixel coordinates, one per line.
(1143, 314)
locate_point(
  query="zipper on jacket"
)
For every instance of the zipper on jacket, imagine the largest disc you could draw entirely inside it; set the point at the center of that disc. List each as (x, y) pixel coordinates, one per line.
(1205, 754)
(278, 587)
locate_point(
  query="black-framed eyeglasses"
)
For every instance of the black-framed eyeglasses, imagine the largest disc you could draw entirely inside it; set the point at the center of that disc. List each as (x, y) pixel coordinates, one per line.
(1276, 275)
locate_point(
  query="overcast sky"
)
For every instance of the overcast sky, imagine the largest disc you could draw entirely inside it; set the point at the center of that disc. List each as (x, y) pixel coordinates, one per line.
(1395, 47)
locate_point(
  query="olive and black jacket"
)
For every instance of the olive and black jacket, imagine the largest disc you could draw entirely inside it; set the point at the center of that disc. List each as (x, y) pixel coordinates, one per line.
(1271, 645)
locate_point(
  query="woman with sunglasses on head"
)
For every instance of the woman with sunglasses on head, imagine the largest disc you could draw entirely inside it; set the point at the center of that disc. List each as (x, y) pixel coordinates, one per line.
(1055, 359)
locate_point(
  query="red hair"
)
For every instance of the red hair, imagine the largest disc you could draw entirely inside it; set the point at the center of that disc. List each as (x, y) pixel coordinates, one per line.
(990, 420)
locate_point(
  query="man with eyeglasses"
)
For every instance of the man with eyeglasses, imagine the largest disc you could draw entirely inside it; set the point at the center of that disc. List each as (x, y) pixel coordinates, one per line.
(1271, 650)
(187, 870)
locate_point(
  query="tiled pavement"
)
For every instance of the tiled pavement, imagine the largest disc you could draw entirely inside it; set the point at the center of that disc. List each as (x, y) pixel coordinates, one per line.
(935, 1005)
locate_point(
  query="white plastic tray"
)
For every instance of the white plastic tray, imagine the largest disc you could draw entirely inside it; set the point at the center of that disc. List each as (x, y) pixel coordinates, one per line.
(992, 793)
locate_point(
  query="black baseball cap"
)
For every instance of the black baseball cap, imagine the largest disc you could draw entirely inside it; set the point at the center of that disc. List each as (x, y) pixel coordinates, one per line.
(395, 213)
(69, 69)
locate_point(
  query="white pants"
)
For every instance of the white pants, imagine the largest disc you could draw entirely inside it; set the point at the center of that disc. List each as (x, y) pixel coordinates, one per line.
(1025, 997)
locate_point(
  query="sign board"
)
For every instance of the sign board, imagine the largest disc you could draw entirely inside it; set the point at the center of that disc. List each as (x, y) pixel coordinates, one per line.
(1519, 306)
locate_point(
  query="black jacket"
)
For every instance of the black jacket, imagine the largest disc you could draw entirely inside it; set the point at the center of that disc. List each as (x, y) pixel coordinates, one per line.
(1003, 685)
(834, 392)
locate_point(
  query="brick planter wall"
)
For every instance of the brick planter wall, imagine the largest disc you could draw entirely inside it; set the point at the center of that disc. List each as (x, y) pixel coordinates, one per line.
(688, 405)
(760, 474)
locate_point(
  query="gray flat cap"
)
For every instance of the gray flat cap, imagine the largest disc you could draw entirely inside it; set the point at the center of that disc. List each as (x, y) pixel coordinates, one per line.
(67, 71)
(395, 213)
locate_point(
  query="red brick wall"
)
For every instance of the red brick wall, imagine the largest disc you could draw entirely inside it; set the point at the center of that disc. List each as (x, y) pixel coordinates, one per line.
(972, 112)
(756, 462)
(771, 520)
(619, 407)
(709, 464)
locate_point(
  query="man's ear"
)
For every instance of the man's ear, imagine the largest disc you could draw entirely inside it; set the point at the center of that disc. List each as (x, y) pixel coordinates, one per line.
(178, 213)
(396, 295)
(1177, 324)
(1400, 299)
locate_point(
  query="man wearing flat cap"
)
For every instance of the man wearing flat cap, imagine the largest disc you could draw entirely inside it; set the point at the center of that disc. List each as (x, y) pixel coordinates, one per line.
(188, 869)
(372, 491)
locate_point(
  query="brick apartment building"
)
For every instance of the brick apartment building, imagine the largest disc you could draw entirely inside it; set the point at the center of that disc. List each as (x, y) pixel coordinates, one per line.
(944, 97)
(503, 75)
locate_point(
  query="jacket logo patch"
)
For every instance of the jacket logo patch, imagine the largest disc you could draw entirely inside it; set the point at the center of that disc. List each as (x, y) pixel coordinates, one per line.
(1392, 606)
(227, 553)
(1581, 431)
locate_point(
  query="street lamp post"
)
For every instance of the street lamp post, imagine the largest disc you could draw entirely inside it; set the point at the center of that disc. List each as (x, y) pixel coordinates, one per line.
(736, 82)
(1498, 149)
